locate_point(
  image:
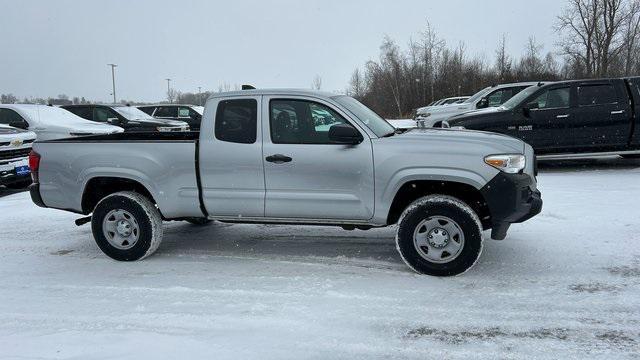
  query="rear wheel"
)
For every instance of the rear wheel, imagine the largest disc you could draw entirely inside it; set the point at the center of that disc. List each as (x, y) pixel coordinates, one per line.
(127, 226)
(439, 235)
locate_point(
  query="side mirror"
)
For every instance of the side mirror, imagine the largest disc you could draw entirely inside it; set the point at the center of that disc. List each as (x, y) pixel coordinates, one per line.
(344, 134)
(19, 125)
(483, 103)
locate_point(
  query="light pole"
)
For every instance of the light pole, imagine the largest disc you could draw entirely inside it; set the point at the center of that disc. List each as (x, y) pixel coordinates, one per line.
(168, 89)
(200, 95)
(113, 80)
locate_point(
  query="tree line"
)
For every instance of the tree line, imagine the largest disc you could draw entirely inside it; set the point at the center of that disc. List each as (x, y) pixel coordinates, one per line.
(597, 38)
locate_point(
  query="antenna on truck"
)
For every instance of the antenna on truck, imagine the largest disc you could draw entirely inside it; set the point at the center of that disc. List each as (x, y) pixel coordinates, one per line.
(248, 87)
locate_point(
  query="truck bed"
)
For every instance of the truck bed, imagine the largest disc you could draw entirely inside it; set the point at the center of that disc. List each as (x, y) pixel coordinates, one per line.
(164, 163)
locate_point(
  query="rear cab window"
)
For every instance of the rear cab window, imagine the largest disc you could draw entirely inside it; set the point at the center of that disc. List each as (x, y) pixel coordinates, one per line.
(148, 109)
(237, 121)
(597, 94)
(166, 111)
(84, 112)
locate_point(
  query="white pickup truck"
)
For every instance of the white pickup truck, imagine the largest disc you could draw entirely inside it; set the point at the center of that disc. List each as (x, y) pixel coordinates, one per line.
(488, 97)
(295, 157)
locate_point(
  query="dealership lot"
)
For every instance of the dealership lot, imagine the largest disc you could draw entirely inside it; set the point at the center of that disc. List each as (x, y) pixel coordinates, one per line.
(566, 284)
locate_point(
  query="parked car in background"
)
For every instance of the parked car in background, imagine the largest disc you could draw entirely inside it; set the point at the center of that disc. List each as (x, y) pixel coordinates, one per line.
(263, 156)
(491, 96)
(50, 122)
(190, 114)
(15, 145)
(451, 100)
(568, 117)
(127, 117)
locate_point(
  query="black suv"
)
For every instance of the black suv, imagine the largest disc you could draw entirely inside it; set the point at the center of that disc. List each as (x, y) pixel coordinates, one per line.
(127, 117)
(191, 114)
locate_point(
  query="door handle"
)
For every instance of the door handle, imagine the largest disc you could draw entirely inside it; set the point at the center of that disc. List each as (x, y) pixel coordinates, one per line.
(562, 116)
(278, 158)
(617, 112)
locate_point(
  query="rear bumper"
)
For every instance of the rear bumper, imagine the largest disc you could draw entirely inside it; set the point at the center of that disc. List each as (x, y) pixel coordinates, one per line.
(34, 191)
(511, 199)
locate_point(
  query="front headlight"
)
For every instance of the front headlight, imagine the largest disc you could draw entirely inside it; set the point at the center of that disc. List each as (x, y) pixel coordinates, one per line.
(424, 115)
(164, 128)
(509, 163)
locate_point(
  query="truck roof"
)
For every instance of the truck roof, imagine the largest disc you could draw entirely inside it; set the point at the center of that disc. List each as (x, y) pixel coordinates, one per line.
(254, 92)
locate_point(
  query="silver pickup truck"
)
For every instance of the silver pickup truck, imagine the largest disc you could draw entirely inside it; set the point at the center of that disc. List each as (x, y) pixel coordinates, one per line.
(295, 157)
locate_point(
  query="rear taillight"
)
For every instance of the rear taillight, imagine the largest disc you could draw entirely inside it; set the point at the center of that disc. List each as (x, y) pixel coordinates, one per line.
(34, 165)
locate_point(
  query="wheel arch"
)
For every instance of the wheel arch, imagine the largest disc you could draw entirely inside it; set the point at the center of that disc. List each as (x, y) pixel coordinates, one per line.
(413, 189)
(99, 187)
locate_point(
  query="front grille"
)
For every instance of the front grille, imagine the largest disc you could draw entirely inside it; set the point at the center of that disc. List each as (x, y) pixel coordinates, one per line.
(25, 142)
(14, 154)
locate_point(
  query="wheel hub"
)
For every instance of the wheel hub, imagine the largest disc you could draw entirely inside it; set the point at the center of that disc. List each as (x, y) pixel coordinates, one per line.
(438, 238)
(121, 229)
(124, 228)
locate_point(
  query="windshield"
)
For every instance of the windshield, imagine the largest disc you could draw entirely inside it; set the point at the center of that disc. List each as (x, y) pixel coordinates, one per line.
(477, 95)
(132, 113)
(519, 97)
(373, 121)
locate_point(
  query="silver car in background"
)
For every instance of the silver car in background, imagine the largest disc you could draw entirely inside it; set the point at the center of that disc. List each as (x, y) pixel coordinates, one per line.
(50, 122)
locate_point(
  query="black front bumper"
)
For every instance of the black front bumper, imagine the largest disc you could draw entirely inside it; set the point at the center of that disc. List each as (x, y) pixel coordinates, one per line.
(510, 199)
(10, 177)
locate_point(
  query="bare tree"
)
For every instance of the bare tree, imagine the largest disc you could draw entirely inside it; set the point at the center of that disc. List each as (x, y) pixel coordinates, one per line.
(531, 65)
(8, 99)
(631, 35)
(596, 33)
(503, 61)
(357, 86)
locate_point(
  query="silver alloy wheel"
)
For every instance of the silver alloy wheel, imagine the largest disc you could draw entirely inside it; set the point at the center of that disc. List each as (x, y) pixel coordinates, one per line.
(121, 229)
(438, 239)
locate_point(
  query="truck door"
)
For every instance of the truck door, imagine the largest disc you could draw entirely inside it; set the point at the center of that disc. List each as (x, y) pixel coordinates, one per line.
(546, 125)
(230, 161)
(306, 176)
(602, 115)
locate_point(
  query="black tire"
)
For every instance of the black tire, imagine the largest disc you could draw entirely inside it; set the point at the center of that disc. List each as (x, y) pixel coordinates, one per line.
(198, 221)
(18, 185)
(147, 219)
(449, 207)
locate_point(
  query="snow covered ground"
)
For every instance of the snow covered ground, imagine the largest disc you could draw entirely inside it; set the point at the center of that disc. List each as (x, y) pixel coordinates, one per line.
(564, 285)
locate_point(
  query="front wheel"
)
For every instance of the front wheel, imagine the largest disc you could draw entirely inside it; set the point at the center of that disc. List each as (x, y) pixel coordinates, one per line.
(127, 226)
(439, 235)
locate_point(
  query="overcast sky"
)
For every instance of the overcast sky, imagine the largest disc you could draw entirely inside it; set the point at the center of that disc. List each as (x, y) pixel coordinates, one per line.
(55, 47)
